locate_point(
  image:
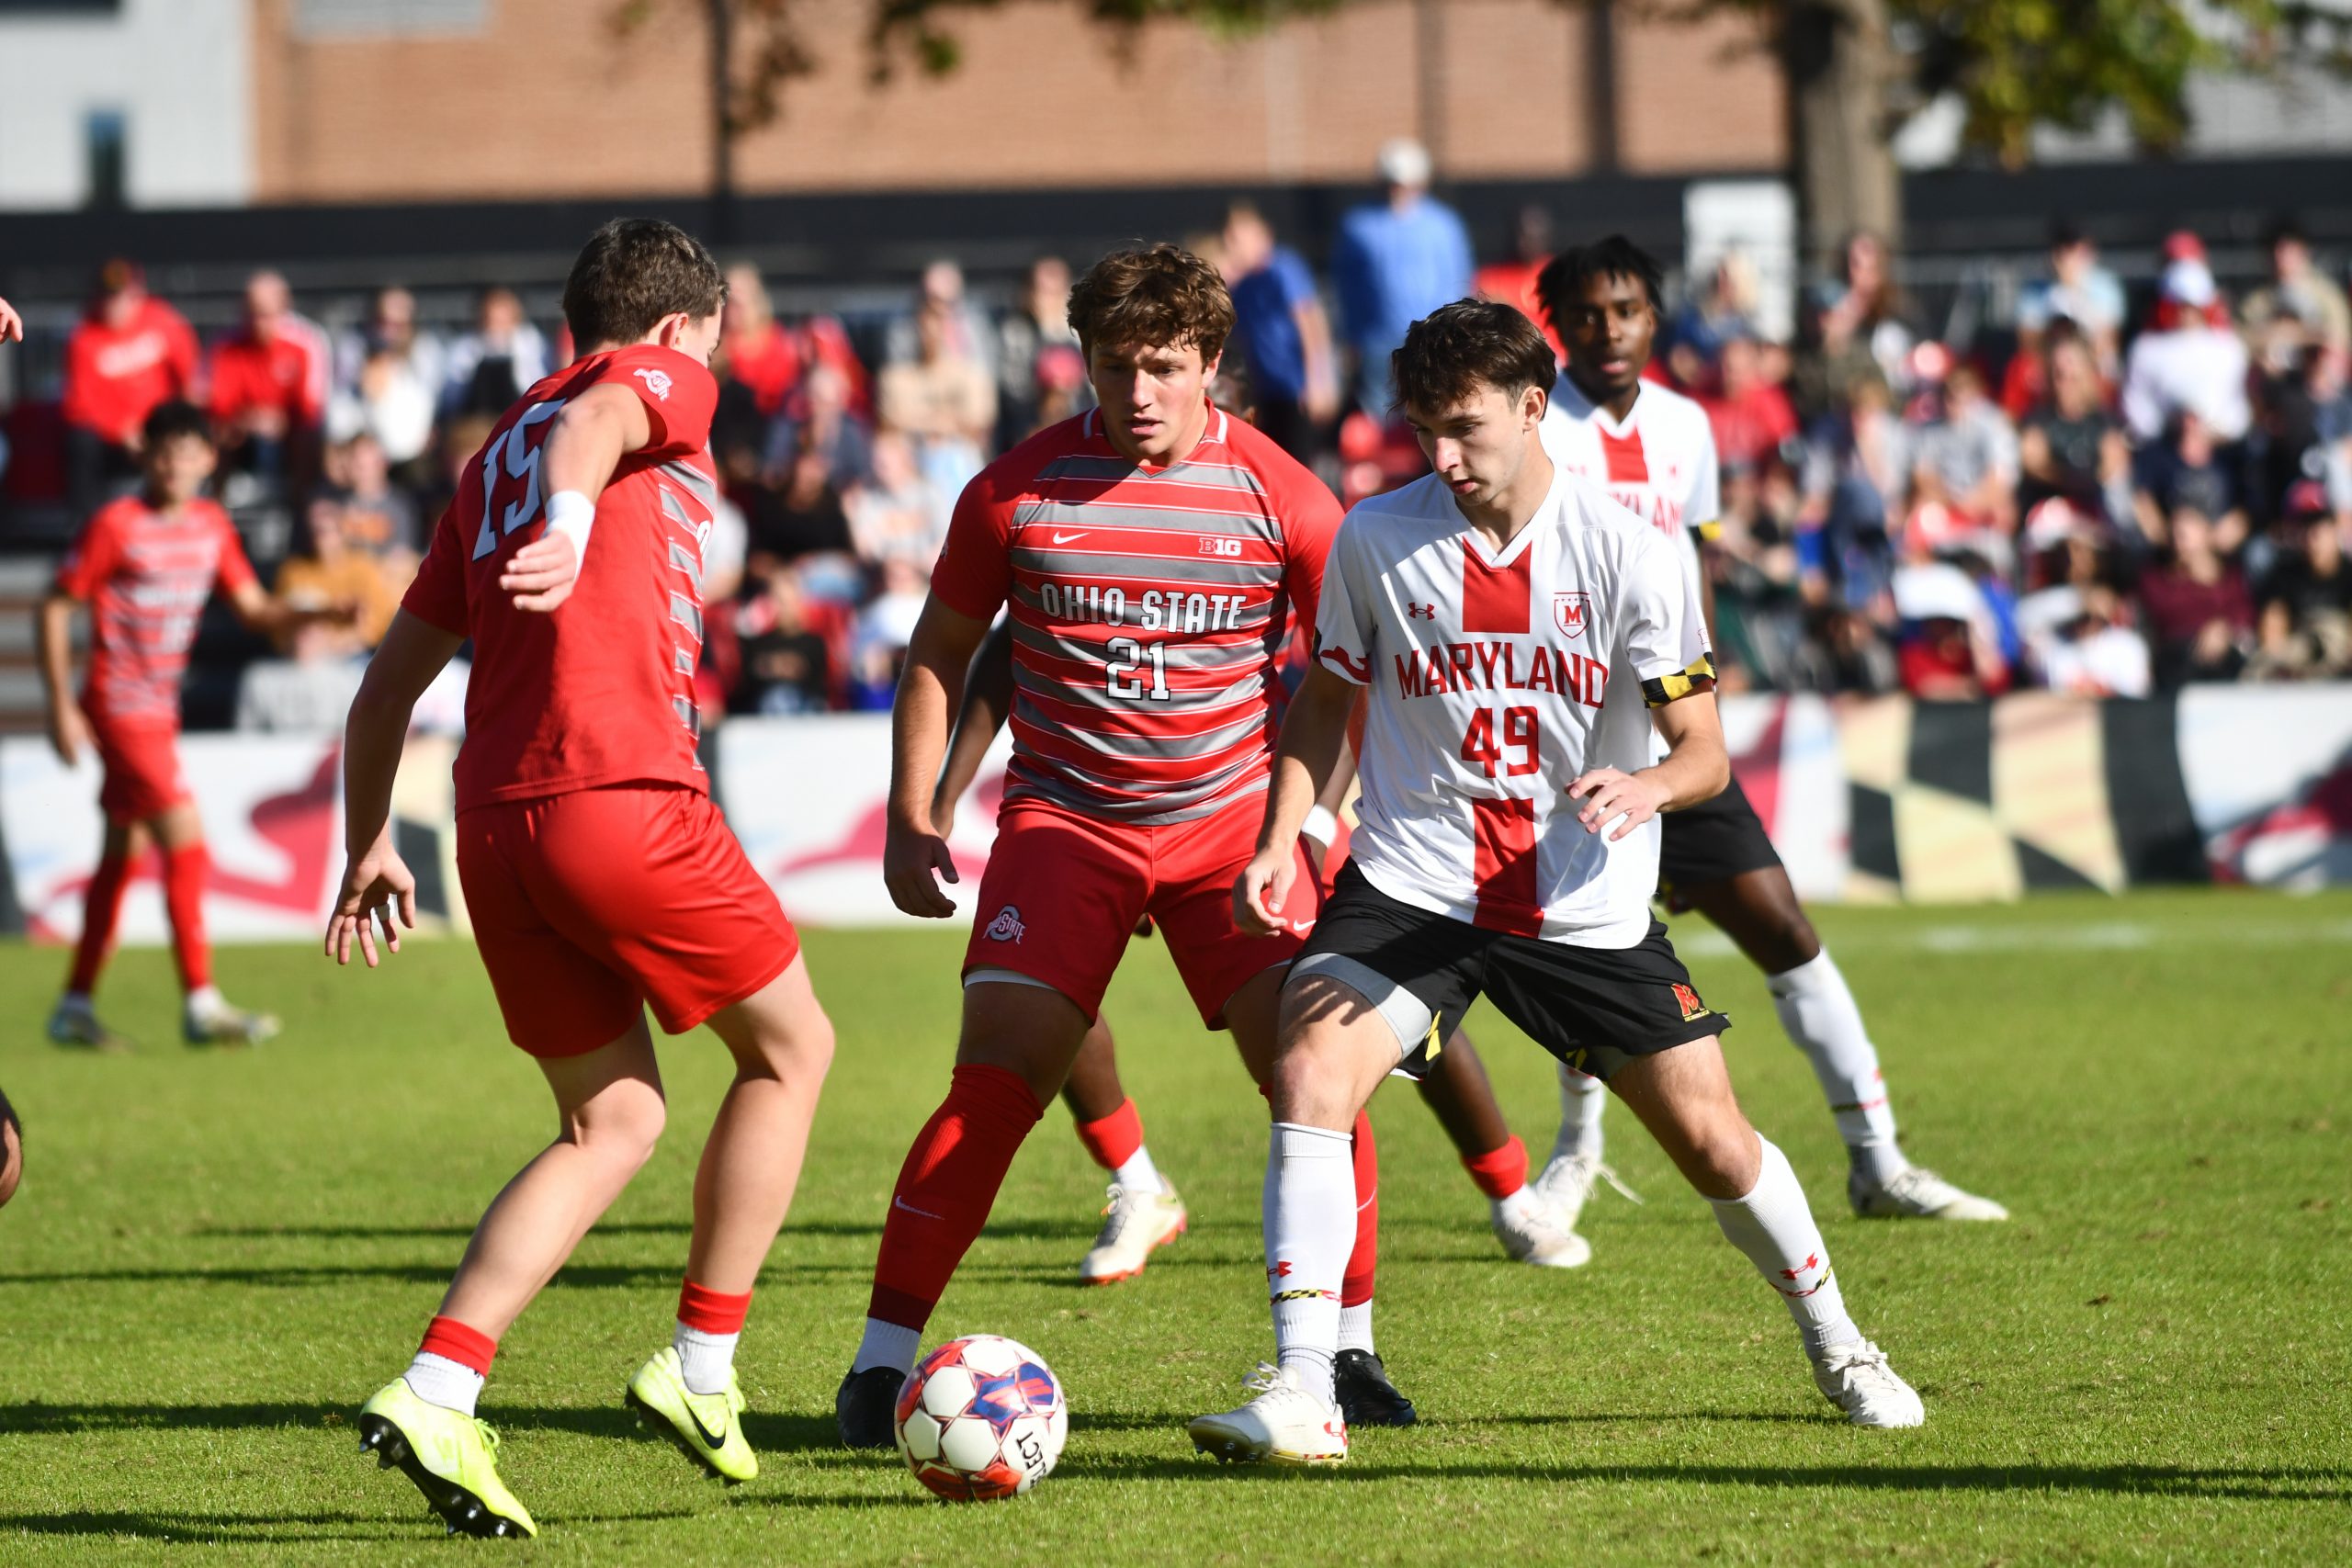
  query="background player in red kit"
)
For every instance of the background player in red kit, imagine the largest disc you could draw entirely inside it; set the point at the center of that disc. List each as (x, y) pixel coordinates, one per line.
(1151, 552)
(145, 565)
(598, 873)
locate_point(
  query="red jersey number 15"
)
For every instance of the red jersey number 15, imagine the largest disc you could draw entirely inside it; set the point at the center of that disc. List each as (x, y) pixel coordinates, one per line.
(513, 459)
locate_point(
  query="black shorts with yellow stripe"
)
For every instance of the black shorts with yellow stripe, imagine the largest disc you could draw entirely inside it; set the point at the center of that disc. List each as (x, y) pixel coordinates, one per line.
(1594, 1008)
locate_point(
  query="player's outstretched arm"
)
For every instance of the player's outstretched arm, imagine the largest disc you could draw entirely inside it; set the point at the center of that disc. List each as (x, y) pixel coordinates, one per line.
(913, 854)
(69, 729)
(265, 612)
(987, 703)
(1314, 735)
(591, 435)
(376, 885)
(1697, 767)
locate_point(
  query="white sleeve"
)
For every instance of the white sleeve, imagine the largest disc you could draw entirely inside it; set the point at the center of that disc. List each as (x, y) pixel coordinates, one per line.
(1343, 626)
(1665, 635)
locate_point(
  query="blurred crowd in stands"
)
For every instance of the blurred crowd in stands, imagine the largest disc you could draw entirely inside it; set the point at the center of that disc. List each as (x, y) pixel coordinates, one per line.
(2106, 495)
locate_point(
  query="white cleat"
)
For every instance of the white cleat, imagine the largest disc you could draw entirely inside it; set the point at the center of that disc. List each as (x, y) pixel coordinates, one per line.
(1855, 1379)
(221, 1024)
(1918, 1193)
(1133, 1224)
(1568, 1182)
(1284, 1423)
(1532, 1233)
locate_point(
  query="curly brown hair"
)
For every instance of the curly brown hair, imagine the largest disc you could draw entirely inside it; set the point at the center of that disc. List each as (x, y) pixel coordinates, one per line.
(1455, 349)
(1152, 296)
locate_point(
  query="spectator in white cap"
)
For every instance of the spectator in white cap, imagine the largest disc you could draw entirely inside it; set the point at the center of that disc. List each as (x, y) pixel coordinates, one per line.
(1396, 260)
(2189, 361)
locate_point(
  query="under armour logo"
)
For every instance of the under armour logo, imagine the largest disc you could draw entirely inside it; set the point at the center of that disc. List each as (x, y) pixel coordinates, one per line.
(1812, 1261)
(1421, 612)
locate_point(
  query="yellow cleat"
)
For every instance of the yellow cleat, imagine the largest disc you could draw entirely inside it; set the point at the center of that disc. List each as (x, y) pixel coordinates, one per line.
(452, 1457)
(703, 1426)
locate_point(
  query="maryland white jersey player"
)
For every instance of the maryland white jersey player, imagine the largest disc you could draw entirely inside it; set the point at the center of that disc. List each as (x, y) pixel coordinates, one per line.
(1659, 464)
(1516, 672)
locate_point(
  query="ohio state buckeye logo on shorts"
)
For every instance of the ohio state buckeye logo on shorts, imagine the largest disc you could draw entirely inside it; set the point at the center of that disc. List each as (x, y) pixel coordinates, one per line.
(1007, 926)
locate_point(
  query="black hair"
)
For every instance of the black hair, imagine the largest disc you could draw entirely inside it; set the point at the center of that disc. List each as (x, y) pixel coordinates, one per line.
(8, 1118)
(170, 422)
(1563, 281)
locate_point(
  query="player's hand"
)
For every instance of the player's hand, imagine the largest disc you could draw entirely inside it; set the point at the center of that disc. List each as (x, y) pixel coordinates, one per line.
(69, 732)
(378, 889)
(1262, 890)
(12, 325)
(541, 573)
(1608, 793)
(912, 858)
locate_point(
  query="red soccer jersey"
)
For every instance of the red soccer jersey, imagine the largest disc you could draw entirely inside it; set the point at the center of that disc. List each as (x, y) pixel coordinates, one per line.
(115, 379)
(602, 691)
(146, 575)
(288, 373)
(1149, 607)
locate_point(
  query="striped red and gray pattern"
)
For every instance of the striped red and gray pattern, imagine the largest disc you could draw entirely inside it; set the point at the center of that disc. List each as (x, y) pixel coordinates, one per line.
(1149, 607)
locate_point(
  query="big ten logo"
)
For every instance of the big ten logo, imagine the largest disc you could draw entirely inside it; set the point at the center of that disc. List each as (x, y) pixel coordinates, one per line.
(1216, 547)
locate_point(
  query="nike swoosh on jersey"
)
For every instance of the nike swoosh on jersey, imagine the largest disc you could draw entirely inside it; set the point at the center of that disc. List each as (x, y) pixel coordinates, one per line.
(1066, 538)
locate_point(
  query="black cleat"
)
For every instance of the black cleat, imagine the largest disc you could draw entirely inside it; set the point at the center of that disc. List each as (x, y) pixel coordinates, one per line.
(865, 1407)
(1366, 1396)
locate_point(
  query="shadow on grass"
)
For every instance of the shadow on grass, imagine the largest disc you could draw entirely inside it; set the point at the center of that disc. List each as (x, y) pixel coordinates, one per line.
(1078, 1228)
(267, 1528)
(2282, 1485)
(575, 1276)
(776, 1433)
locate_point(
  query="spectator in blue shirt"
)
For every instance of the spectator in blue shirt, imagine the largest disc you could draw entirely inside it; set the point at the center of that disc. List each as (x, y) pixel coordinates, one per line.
(1395, 261)
(1282, 334)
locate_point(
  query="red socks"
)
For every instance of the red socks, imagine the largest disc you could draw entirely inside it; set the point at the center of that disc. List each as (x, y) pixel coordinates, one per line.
(1498, 1172)
(1355, 1287)
(712, 1312)
(101, 912)
(185, 873)
(1114, 1140)
(947, 1188)
(452, 1340)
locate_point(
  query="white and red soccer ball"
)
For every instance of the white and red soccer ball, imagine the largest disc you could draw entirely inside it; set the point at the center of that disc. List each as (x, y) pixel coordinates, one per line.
(981, 1417)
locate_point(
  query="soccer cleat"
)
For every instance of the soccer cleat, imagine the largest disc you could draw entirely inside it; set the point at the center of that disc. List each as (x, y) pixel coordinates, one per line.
(1134, 1223)
(1366, 1396)
(1855, 1379)
(226, 1025)
(452, 1457)
(1918, 1193)
(78, 1027)
(1568, 1182)
(1283, 1422)
(1538, 1237)
(703, 1426)
(865, 1407)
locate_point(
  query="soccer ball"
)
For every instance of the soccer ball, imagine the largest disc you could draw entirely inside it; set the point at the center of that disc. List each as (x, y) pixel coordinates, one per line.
(981, 1419)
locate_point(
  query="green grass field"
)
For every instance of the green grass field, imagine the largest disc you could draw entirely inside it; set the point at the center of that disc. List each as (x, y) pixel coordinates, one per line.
(216, 1258)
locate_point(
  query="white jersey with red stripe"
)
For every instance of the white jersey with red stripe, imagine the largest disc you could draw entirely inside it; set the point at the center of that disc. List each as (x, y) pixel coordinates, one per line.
(1659, 464)
(1496, 680)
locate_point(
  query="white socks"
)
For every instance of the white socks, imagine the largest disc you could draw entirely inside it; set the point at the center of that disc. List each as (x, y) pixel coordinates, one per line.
(1311, 1203)
(886, 1345)
(1139, 1174)
(1523, 1206)
(1774, 1225)
(705, 1360)
(1582, 1099)
(205, 1002)
(1821, 1016)
(436, 1379)
(1355, 1327)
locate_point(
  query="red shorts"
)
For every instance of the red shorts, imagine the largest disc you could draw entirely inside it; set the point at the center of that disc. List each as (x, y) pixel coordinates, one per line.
(1063, 893)
(142, 770)
(590, 904)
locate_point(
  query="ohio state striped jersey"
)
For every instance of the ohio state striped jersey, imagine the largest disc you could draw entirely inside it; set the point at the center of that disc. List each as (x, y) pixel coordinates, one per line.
(146, 575)
(1149, 606)
(602, 691)
(1496, 679)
